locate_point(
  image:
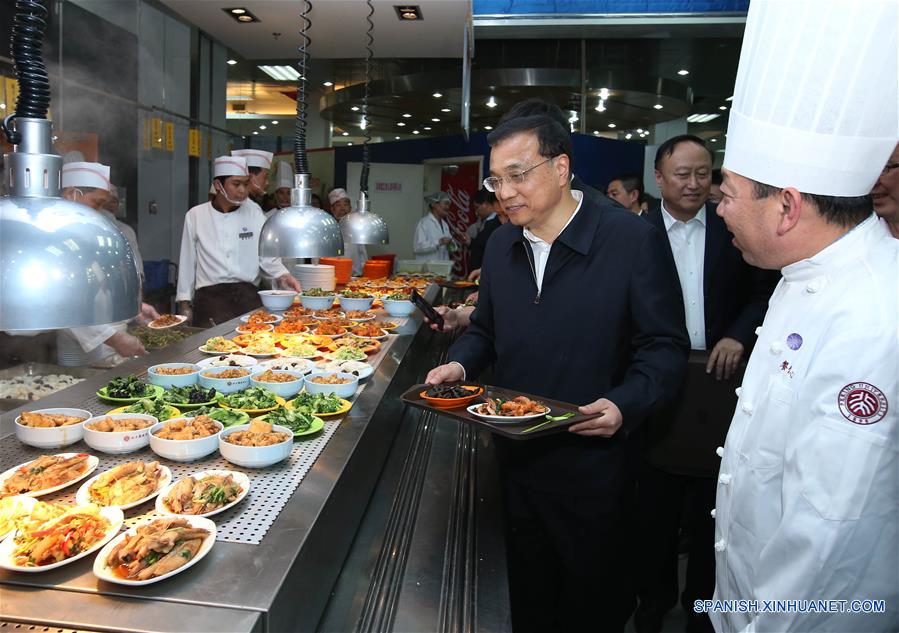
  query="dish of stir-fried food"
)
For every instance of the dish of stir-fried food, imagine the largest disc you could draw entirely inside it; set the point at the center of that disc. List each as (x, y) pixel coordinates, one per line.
(157, 548)
(125, 484)
(259, 433)
(47, 471)
(72, 533)
(48, 420)
(188, 429)
(262, 316)
(203, 495)
(167, 320)
(113, 425)
(516, 407)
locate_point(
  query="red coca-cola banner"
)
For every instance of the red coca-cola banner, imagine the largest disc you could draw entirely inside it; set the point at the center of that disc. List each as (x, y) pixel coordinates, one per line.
(461, 184)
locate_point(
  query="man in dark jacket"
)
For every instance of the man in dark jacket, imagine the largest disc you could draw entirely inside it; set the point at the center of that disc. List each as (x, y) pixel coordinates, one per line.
(485, 207)
(725, 300)
(577, 303)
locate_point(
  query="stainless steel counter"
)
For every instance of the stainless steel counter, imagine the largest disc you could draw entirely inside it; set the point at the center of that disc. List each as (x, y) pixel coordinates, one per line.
(286, 582)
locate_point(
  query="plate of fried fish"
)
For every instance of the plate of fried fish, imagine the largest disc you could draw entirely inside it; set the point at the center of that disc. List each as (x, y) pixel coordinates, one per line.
(46, 474)
(125, 486)
(203, 494)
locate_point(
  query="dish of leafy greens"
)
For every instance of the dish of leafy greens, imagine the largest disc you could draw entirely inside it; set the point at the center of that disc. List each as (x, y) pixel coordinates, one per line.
(128, 387)
(252, 398)
(228, 417)
(156, 407)
(318, 403)
(186, 396)
(301, 420)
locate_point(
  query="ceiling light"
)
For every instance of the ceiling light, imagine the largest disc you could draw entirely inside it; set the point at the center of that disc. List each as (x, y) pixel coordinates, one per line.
(355, 108)
(274, 123)
(408, 12)
(612, 125)
(730, 98)
(415, 132)
(407, 115)
(255, 133)
(281, 73)
(397, 137)
(328, 84)
(658, 106)
(435, 120)
(350, 143)
(231, 62)
(437, 95)
(596, 132)
(445, 110)
(601, 106)
(683, 72)
(639, 130)
(603, 93)
(702, 118)
(246, 18)
(401, 124)
(427, 128)
(488, 127)
(262, 127)
(491, 102)
(722, 107)
(572, 116)
(237, 11)
(628, 136)
(714, 140)
(344, 133)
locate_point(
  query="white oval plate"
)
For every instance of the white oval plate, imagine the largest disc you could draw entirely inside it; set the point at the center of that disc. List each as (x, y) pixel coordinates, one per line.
(82, 497)
(181, 319)
(92, 463)
(8, 546)
(370, 338)
(506, 419)
(205, 350)
(242, 359)
(368, 318)
(103, 572)
(239, 478)
(28, 504)
(308, 365)
(246, 318)
(365, 373)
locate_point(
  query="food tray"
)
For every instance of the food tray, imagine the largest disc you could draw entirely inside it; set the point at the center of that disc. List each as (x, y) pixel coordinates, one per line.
(515, 431)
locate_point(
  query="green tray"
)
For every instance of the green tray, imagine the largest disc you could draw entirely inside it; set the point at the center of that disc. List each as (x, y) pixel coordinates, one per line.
(157, 391)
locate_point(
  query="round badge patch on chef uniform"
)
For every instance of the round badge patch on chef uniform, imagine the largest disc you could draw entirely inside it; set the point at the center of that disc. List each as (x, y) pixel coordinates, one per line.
(862, 403)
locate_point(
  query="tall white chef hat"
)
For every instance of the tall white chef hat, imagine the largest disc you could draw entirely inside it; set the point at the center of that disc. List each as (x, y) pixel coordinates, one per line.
(80, 174)
(815, 102)
(338, 194)
(255, 157)
(285, 175)
(229, 166)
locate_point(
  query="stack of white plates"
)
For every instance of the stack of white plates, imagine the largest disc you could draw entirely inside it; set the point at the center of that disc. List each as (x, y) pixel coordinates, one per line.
(315, 276)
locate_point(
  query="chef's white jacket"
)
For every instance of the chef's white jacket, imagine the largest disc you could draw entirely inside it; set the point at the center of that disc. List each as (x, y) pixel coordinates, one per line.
(426, 242)
(218, 248)
(808, 491)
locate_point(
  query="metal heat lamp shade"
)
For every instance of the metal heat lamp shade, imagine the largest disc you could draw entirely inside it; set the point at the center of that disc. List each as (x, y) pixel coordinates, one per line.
(364, 227)
(300, 230)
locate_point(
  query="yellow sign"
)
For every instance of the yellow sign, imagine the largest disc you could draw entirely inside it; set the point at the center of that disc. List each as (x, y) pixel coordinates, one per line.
(147, 144)
(170, 137)
(156, 133)
(193, 142)
(11, 95)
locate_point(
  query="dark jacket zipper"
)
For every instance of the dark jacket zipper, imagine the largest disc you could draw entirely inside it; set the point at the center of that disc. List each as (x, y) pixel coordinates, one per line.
(530, 255)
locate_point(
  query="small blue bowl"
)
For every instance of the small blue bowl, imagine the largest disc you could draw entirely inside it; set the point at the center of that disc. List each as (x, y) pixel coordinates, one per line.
(284, 389)
(317, 303)
(224, 385)
(399, 308)
(348, 304)
(342, 390)
(167, 381)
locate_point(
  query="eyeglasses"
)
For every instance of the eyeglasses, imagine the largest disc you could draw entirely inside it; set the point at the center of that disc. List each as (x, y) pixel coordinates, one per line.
(886, 169)
(493, 183)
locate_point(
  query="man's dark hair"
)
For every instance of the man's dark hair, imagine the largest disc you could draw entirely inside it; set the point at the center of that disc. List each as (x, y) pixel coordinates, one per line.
(838, 210)
(254, 170)
(667, 148)
(221, 179)
(717, 178)
(484, 197)
(552, 138)
(630, 182)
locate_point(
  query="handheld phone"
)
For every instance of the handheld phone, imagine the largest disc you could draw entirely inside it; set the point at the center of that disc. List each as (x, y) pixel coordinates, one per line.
(426, 309)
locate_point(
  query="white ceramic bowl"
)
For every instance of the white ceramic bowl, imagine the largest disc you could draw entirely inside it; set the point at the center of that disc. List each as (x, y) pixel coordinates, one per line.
(399, 308)
(345, 390)
(349, 304)
(118, 443)
(184, 450)
(167, 381)
(255, 456)
(283, 389)
(224, 385)
(317, 303)
(53, 437)
(277, 299)
(225, 360)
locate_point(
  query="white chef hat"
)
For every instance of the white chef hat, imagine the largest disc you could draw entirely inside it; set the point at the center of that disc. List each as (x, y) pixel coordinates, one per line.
(285, 175)
(229, 166)
(815, 102)
(80, 174)
(255, 157)
(337, 194)
(437, 196)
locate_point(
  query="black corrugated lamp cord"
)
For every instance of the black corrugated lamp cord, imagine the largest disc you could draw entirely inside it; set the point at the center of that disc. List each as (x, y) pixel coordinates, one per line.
(34, 88)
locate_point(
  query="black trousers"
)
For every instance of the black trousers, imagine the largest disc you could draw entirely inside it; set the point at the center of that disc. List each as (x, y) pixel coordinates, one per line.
(222, 302)
(666, 501)
(570, 560)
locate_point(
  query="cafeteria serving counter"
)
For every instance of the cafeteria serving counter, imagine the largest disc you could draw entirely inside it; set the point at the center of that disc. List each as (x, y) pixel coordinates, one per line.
(396, 527)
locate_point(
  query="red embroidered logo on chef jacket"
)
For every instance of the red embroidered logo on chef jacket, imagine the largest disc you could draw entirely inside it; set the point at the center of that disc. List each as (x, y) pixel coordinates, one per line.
(862, 403)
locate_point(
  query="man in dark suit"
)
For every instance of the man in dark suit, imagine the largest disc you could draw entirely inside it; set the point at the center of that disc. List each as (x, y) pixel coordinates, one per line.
(577, 303)
(485, 207)
(725, 301)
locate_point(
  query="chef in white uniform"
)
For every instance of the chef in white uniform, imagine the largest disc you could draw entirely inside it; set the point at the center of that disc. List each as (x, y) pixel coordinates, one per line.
(807, 502)
(88, 184)
(284, 183)
(259, 163)
(341, 206)
(432, 240)
(219, 267)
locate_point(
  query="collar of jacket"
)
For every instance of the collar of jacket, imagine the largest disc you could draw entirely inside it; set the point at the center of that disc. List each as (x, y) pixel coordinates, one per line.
(579, 234)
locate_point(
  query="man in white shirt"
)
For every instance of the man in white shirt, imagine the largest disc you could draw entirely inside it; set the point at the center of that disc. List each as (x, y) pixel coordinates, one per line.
(259, 164)
(341, 206)
(283, 185)
(220, 268)
(432, 238)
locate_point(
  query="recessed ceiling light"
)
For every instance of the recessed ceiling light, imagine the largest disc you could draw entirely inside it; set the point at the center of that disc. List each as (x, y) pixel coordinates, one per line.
(255, 132)
(683, 72)
(345, 134)
(274, 123)
(415, 132)
(350, 143)
(488, 127)
(328, 84)
(237, 11)
(714, 140)
(406, 12)
(437, 95)
(401, 124)
(639, 130)
(397, 137)
(231, 62)
(611, 125)
(281, 73)
(355, 108)
(722, 107)
(491, 102)
(436, 120)
(702, 118)
(628, 136)
(262, 127)
(444, 109)
(601, 106)
(658, 106)
(427, 128)
(596, 132)
(406, 115)
(246, 18)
